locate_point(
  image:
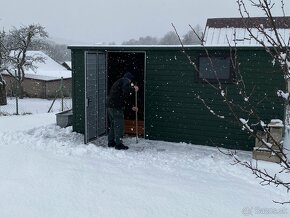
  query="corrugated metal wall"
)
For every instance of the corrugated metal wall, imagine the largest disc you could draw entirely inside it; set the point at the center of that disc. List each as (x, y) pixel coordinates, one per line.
(172, 111)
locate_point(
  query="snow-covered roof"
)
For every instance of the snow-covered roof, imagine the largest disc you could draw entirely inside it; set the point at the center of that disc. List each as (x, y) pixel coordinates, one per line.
(222, 31)
(127, 46)
(49, 70)
(224, 36)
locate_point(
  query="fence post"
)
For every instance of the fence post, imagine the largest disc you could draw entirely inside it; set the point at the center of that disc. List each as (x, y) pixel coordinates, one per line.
(17, 95)
(61, 92)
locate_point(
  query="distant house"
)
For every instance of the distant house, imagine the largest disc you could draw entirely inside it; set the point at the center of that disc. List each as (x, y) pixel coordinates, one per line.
(44, 81)
(3, 99)
(222, 31)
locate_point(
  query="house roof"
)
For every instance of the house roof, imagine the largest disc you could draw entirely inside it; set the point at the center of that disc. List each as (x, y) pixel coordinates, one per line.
(67, 65)
(252, 22)
(49, 70)
(222, 31)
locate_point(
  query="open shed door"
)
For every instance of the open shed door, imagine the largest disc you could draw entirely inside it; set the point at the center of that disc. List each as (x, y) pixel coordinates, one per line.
(95, 95)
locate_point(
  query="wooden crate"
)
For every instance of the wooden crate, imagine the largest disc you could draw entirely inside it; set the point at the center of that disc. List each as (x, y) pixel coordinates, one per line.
(130, 127)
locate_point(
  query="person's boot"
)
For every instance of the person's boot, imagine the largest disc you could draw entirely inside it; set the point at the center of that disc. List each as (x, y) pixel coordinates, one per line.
(112, 144)
(121, 147)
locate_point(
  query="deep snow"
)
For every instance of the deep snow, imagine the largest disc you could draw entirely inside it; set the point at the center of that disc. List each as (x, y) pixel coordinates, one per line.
(47, 171)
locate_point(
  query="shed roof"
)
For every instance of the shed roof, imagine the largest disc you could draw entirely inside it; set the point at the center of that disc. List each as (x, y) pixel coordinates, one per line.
(141, 48)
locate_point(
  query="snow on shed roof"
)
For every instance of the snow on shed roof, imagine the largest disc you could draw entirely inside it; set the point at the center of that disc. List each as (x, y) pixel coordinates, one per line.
(223, 31)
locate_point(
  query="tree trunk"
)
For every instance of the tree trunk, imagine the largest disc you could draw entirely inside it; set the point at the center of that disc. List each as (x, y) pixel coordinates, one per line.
(3, 99)
(20, 91)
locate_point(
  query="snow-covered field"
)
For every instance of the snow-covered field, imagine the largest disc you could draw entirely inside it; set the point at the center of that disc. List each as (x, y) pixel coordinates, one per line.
(47, 171)
(34, 106)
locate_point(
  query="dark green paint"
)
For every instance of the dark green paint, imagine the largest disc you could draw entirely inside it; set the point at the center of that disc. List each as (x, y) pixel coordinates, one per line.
(172, 111)
(78, 87)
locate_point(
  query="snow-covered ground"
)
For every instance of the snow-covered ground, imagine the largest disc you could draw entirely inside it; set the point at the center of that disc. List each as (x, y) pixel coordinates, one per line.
(47, 171)
(34, 106)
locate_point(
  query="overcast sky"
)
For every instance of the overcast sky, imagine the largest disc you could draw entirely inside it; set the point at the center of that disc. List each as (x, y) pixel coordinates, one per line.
(97, 21)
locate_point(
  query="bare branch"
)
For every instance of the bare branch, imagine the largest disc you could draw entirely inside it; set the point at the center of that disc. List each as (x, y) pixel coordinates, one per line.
(278, 48)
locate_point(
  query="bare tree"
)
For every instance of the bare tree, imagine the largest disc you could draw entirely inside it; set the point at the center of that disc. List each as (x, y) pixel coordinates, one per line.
(169, 38)
(3, 99)
(57, 52)
(190, 38)
(278, 48)
(17, 43)
(147, 40)
(14, 47)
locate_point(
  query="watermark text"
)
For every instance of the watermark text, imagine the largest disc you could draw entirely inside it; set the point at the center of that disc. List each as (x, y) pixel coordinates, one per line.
(250, 211)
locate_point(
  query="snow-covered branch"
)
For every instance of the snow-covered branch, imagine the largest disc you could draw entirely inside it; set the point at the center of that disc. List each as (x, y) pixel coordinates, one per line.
(245, 111)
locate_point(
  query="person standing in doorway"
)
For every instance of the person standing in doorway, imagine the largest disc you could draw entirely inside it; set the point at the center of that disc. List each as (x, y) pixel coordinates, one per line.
(117, 101)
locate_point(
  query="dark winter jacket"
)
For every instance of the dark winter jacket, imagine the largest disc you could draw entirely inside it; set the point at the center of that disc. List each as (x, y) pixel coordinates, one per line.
(119, 94)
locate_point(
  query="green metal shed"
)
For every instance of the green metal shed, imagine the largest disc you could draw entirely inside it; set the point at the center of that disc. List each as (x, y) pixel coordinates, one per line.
(169, 86)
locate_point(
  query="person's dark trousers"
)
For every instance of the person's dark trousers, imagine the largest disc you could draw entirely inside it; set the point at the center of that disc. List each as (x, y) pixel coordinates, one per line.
(116, 131)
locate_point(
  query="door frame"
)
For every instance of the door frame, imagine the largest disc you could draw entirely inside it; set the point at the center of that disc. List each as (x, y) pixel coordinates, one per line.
(144, 77)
